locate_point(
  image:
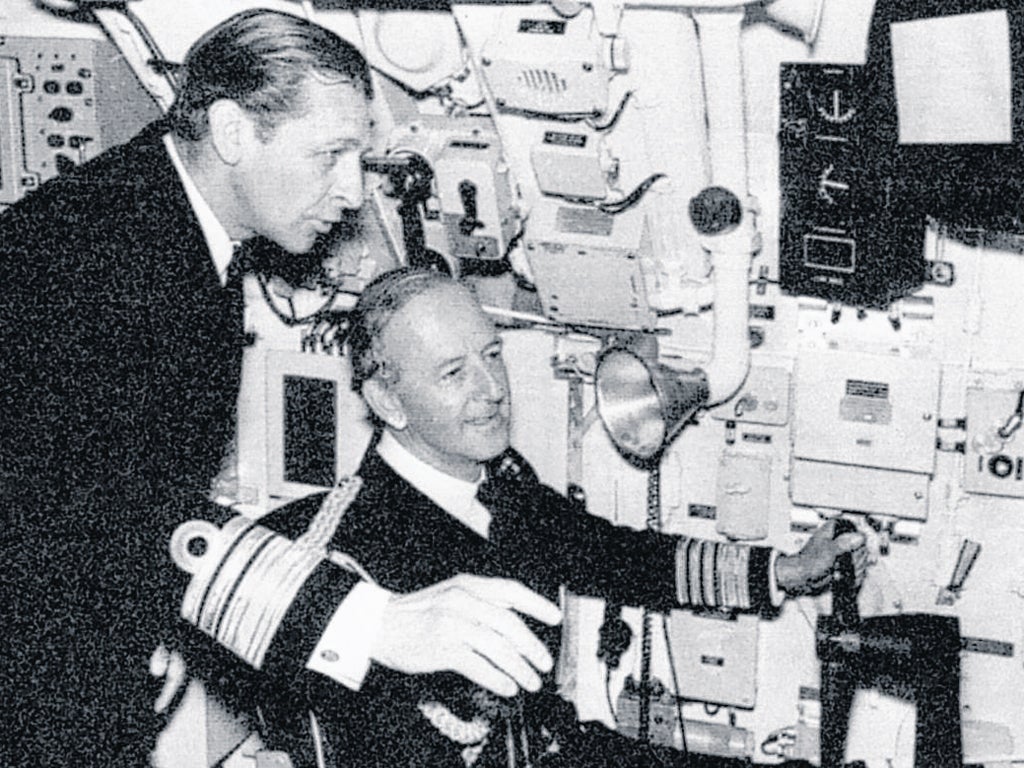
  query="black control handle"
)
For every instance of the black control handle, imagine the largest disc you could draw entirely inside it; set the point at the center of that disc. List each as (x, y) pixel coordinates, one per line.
(844, 582)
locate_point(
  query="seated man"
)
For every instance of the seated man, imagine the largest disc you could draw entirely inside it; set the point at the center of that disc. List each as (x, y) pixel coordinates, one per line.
(443, 494)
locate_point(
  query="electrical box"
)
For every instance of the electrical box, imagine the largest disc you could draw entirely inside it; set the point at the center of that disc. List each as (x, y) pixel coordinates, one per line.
(62, 102)
(743, 496)
(583, 242)
(864, 489)
(864, 432)
(472, 181)
(702, 737)
(866, 410)
(567, 163)
(716, 658)
(540, 62)
(994, 464)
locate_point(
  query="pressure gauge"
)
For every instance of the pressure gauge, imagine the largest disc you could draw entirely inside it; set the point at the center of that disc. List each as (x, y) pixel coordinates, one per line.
(835, 107)
(832, 101)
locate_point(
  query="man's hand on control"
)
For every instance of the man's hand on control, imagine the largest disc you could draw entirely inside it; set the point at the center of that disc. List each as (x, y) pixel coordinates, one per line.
(469, 625)
(810, 570)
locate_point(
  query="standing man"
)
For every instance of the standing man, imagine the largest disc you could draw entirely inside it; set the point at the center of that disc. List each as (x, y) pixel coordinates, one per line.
(120, 349)
(443, 494)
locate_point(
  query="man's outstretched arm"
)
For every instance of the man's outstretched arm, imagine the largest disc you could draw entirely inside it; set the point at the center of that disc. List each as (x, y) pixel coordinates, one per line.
(334, 621)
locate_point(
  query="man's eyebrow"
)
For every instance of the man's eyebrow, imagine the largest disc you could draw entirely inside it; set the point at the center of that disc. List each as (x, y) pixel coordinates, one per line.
(457, 360)
(332, 144)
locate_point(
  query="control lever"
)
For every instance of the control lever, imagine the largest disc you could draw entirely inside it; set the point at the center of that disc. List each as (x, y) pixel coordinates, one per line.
(841, 628)
(469, 223)
(411, 180)
(915, 655)
(844, 583)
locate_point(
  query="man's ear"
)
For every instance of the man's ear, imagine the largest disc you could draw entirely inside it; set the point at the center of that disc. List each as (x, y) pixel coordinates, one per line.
(384, 403)
(230, 129)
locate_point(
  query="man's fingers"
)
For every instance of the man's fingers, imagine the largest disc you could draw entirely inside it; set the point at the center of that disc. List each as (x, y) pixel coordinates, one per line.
(848, 542)
(494, 622)
(468, 625)
(498, 651)
(479, 670)
(505, 657)
(510, 594)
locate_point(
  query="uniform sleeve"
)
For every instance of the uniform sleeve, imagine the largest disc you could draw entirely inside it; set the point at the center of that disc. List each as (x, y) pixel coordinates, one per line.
(269, 596)
(655, 570)
(724, 575)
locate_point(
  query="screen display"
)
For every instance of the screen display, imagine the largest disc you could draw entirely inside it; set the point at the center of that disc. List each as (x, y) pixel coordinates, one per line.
(310, 426)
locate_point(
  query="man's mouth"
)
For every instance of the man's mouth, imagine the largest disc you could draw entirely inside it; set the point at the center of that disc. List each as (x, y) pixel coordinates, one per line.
(488, 420)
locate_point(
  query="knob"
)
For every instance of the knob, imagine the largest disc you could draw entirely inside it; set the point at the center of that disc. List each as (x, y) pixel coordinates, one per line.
(715, 211)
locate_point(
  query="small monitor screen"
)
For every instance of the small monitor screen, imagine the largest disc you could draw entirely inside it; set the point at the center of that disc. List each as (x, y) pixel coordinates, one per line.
(953, 79)
(300, 425)
(310, 425)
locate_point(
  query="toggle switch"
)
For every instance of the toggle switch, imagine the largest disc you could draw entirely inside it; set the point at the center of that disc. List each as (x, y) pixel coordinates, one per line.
(969, 552)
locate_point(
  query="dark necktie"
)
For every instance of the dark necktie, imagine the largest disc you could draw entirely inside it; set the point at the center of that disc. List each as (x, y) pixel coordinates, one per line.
(241, 262)
(505, 493)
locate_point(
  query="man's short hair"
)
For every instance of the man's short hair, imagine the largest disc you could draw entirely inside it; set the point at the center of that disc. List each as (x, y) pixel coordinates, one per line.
(380, 301)
(261, 59)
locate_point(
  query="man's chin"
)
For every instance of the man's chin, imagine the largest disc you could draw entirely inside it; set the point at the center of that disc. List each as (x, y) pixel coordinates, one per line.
(301, 248)
(491, 449)
(493, 454)
(298, 243)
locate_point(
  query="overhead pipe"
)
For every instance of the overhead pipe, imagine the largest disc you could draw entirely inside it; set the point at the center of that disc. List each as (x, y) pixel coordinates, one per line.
(726, 225)
(723, 213)
(645, 398)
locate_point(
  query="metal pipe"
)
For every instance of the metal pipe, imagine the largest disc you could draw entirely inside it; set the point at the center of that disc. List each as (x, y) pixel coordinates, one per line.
(732, 247)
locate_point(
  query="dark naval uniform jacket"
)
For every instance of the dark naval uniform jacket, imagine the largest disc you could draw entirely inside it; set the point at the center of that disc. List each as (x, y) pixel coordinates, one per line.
(406, 542)
(120, 356)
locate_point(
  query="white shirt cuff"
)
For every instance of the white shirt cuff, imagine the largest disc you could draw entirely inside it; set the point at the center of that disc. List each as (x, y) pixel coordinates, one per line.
(343, 653)
(777, 596)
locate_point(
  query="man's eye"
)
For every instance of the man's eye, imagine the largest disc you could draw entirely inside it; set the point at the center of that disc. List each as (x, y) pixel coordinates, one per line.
(453, 373)
(330, 157)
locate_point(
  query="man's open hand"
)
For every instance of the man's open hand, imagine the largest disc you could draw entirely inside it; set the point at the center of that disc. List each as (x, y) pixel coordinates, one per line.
(469, 625)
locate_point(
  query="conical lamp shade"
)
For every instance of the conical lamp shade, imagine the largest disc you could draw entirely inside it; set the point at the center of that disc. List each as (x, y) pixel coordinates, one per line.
(642, 403)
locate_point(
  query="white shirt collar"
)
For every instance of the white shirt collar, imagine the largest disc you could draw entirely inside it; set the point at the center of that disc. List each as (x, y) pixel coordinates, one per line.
(456, 497)
(221, 246)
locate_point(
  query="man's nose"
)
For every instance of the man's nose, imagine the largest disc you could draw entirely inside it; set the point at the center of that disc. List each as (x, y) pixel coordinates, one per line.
(491, 382)
(347, 185)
